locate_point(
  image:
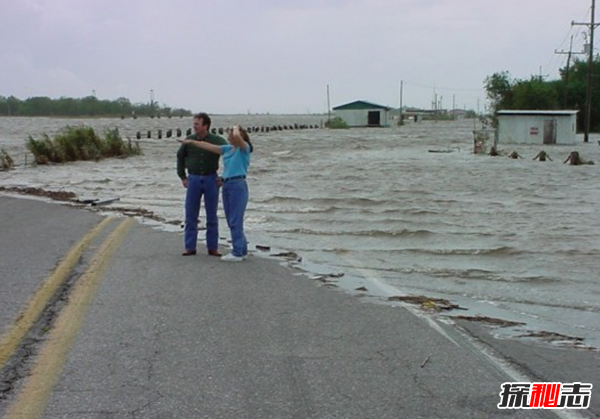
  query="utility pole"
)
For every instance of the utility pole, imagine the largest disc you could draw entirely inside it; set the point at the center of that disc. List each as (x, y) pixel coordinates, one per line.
(453, 106)
(588, 96)
(152, 103)
(400, 108)
(569, 54)
(328, 108)
(434, 104)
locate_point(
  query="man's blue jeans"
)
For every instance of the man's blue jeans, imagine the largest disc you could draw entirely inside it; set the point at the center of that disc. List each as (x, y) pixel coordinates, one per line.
(235, 199)
(199, 186)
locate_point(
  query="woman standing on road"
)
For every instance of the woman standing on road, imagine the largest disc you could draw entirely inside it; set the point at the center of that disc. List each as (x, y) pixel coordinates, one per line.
(236, 160)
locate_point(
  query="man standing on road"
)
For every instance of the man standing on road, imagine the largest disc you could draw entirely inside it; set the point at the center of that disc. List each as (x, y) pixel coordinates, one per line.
(197, 169)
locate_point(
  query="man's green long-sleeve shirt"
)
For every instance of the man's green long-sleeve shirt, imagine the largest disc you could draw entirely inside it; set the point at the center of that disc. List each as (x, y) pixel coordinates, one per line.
(196, 161)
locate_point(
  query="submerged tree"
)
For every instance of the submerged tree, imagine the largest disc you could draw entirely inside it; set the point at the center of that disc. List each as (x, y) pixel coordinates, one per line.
(573, 91)
(534, 93)
(499, 88)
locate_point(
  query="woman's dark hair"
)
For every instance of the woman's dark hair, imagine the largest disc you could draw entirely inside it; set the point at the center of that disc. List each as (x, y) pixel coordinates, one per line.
(246, 138)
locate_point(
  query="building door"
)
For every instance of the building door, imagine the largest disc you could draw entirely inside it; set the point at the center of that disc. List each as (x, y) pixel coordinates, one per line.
(550, 131)
(373, 118)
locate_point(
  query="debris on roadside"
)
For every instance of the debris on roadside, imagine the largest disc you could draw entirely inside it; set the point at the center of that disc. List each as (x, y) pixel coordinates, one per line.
(427, 303)
(489, 320)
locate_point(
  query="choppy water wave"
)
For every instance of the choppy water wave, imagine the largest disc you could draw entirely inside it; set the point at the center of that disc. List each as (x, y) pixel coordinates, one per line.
(471, 275)
(367, 233)
(502, 251)
(342, 202)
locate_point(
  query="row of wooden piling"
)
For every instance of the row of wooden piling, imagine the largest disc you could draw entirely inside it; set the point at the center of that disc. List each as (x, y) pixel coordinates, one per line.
(177, 133)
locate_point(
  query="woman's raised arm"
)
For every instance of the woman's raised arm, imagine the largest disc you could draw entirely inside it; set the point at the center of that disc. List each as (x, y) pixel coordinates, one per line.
(203, 145)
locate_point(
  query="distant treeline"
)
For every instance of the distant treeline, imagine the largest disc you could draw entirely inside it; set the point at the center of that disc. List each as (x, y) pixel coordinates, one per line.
(87, 106)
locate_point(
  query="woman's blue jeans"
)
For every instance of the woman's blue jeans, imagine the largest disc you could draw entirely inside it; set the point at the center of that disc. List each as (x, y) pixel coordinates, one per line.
(235, 199)
(199, 186)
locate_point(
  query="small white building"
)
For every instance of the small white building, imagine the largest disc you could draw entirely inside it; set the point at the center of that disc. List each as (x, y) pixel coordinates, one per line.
(537, 127)
(361, 113)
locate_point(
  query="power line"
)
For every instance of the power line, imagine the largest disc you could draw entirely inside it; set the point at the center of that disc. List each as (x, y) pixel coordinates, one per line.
(456, 89)
(573, 38)
(569, 54)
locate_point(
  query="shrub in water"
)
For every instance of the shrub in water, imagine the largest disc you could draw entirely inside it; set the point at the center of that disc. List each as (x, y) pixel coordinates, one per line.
(42, 150)
(115, 146)
(6, 162)
(336, 123)
(80, 143)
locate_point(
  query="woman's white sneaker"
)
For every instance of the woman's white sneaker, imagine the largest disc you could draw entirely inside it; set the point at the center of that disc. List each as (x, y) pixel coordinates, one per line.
(231, 258)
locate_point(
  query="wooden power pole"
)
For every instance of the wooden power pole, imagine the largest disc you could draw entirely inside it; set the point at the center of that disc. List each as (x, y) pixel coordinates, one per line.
(328, 107)
(400, 116)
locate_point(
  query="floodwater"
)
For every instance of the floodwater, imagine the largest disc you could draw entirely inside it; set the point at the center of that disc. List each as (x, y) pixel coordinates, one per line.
(515, 239)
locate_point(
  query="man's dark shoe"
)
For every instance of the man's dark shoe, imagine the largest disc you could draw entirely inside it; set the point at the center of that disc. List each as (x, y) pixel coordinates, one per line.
(214, 253)
(188, 253)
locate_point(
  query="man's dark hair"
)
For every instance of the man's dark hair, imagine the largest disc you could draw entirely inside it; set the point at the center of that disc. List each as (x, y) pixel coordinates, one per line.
(205, 119)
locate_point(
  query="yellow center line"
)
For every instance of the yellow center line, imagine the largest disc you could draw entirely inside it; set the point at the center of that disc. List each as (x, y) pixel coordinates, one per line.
(11, 339)
(31, 401)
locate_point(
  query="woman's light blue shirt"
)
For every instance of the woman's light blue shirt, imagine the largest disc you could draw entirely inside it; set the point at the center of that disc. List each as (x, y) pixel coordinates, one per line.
(235, 160)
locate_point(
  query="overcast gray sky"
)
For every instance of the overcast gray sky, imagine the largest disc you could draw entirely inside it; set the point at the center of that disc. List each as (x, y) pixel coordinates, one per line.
(279, 56)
